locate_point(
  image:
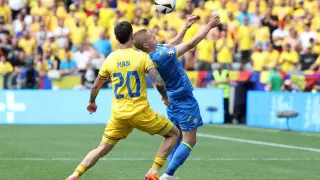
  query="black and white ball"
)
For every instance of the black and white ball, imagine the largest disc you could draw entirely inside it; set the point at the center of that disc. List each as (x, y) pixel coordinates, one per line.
(165, 6)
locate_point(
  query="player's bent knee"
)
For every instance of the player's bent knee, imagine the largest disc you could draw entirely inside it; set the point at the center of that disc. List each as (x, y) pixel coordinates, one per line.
(174, 132)
(190, 137)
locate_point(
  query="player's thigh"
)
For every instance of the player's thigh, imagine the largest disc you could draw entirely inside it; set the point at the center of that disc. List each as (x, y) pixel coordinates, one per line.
(153, 123)
(116, 130)
(186, 113)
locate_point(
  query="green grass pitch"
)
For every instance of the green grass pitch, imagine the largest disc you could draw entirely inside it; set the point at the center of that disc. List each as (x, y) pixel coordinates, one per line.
(51, 152)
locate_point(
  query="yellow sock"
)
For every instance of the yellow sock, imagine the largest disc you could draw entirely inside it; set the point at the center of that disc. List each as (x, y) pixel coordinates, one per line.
(158, 163)
(80, 171)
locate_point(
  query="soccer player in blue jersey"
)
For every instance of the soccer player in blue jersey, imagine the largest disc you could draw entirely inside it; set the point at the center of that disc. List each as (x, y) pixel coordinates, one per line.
(184, 110)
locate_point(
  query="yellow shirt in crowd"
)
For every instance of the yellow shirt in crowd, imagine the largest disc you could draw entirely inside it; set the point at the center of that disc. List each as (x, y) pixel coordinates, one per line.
(246, 42)
(5, 67)
(205, 50)
(28, 45)
(258, 60)
(287, 60)
(271, 58)
(224, 55)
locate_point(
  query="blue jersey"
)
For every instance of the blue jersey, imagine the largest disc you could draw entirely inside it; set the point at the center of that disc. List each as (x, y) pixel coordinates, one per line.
(171, 71)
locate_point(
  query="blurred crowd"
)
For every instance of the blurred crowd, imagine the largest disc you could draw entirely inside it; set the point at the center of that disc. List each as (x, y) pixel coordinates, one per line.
(54, 38)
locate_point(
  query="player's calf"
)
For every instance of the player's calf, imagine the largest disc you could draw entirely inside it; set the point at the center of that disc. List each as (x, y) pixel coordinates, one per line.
(182, 153)
(165, 148)
(91, 159)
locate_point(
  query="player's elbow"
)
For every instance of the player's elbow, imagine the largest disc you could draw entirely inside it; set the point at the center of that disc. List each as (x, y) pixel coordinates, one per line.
(191, 45)
(160, 85)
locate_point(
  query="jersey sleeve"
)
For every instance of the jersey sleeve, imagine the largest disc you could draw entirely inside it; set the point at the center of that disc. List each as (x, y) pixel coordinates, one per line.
(148, 64)
(104, 72)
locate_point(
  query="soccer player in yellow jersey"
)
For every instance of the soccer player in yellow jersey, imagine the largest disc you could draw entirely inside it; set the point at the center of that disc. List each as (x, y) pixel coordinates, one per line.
(130, 107)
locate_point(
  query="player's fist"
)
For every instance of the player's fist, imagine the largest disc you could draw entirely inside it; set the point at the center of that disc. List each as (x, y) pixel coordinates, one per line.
(92, 107)
(166, 101)
(214, 21)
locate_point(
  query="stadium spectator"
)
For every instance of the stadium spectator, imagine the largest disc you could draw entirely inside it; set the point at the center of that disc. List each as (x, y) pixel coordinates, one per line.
(40, 63)
(106, 14)
(64, 51)
(244, 15)
(307, 35)
(272, 56)
(287, 86)
(271, 21)
(16, 6)
(275, 80)
(5, 66)
(29, 77)
(262, 35)
(41, 36)
(288, 59)
(294, 40)
(28, 44)
(68, 65)
(94, 29)
(204, 54)
(5, 45)
(5, 12)
(307, 58)
(221, 80)
(315, 66)
(4, 29)
(258, 58)
(61, 33)
(225, 49)
(51, 45)
(18, 25)
(279, 35)
(246, 36)
(82, 58)
(78, 33)
(256, 18)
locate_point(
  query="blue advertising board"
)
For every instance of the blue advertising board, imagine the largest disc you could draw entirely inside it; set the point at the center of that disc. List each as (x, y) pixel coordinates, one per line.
(69, 106)
(262, 108)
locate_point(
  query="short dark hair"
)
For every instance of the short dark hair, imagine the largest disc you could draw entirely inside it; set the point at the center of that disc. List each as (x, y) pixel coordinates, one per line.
(123, 31)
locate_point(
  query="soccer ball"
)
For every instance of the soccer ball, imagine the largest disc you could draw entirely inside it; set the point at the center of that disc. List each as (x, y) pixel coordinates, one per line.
(165, 6)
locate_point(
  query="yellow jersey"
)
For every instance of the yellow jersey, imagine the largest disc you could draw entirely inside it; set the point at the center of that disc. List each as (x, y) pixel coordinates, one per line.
(127, 68)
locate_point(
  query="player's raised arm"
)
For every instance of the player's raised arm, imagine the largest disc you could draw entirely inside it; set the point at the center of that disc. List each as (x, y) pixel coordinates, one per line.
(157, 80)
(184, 47)
(178, 39)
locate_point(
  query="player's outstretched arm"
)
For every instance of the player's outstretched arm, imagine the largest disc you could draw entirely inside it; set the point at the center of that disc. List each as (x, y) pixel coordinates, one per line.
(184, 47)
(157, 80)
(92, 107)
(178, 39)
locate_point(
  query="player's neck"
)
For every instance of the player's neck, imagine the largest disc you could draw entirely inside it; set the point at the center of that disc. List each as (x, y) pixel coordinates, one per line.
(126, 45)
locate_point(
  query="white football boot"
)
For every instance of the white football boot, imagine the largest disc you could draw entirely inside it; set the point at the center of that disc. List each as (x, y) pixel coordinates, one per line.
(168, 177)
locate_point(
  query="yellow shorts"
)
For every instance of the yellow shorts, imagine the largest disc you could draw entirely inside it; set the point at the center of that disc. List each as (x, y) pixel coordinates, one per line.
(147, 121)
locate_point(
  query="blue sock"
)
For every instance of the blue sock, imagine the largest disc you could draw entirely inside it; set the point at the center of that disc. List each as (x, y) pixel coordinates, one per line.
(179, 157)
(173, 151)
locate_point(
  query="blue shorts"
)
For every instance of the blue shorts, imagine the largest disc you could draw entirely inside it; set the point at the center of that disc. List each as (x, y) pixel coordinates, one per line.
(184, 112)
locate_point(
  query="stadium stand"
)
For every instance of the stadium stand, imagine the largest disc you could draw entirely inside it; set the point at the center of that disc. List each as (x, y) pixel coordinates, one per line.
(55, 44)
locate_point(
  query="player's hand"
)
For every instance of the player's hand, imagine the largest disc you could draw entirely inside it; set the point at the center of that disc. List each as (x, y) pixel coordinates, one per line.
(190, 20)
(166, 101)
(92, 107)
(214, 21)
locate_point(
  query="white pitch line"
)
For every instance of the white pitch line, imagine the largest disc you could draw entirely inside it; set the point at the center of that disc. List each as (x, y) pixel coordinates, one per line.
(257, 142)
(150, 159)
